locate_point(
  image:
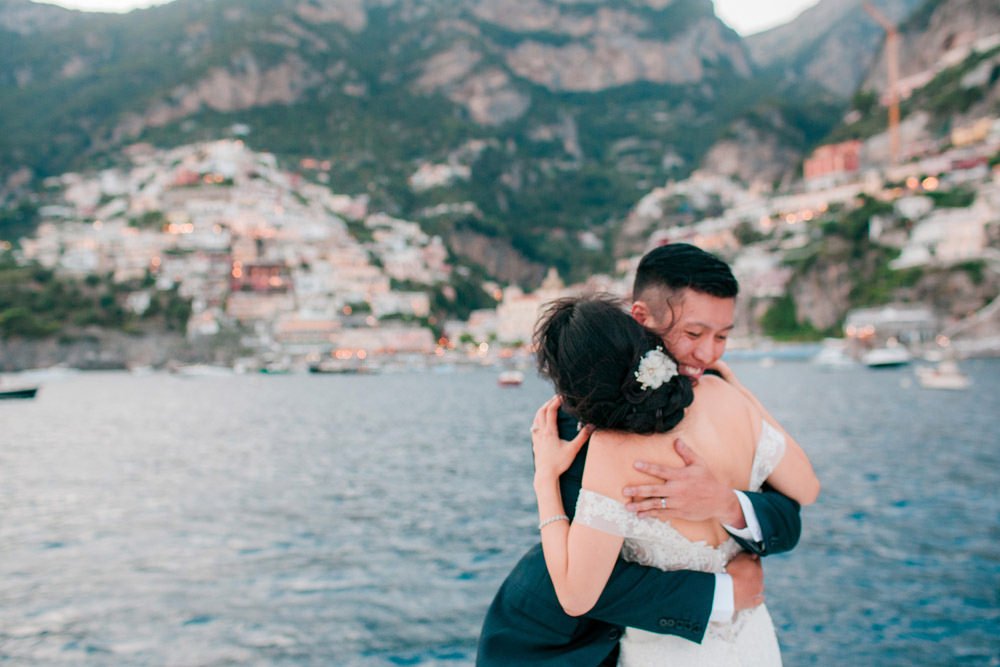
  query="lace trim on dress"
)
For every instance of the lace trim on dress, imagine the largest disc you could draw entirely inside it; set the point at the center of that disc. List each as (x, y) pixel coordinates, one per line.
(649, 541)
(770, 450)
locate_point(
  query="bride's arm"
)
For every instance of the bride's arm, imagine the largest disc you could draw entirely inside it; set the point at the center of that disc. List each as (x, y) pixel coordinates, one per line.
(794, 476)
(579, 559)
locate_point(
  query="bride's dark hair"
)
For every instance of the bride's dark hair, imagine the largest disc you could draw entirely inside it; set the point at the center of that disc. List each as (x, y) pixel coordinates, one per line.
(591, 348)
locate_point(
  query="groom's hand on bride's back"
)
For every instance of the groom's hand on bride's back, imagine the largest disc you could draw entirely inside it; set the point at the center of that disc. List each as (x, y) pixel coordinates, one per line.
(748, 580)
(691, 492)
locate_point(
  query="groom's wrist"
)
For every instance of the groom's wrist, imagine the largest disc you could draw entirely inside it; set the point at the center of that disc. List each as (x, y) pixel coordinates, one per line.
(751, 530)
(732, 515)
(724, 600)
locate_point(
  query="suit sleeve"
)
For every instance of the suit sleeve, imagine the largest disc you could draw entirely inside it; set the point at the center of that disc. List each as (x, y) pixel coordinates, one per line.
(677, 602)
(780, 523)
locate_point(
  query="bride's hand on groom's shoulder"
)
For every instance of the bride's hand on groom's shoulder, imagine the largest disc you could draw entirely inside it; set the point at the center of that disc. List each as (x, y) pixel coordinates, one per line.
(725, 372)
(553, 456)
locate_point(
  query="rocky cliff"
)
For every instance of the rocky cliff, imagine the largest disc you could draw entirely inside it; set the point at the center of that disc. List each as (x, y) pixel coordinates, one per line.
(830, 44)
(940, 34)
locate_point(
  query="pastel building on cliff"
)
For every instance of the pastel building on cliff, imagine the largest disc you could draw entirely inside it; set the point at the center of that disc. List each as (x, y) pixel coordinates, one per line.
(831, 163)
(518, 312)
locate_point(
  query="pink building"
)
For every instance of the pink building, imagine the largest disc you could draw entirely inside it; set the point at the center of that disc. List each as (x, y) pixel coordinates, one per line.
(259, 278)
(833, 160)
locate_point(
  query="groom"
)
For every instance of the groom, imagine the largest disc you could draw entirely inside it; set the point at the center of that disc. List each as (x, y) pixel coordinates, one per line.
(688, 296)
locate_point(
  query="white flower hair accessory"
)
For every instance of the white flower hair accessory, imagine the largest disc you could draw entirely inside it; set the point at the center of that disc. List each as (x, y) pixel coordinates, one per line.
(655, 368)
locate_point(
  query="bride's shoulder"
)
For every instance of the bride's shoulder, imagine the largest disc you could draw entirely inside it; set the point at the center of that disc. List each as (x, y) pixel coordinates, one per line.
(716, 387)
(714, 391)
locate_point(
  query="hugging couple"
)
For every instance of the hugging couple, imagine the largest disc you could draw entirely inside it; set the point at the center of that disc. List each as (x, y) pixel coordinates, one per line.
(659, 486)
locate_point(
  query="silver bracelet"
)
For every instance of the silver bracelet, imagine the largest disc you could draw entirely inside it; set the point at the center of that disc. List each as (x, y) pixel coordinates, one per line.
(553, 519)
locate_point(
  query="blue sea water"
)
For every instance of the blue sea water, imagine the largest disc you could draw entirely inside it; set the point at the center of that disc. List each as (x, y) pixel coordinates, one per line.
(368, 520)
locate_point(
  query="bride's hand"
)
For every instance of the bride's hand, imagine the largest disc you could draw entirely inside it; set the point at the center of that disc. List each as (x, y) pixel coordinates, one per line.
(552, 455)
(729, 376)
(723, 369)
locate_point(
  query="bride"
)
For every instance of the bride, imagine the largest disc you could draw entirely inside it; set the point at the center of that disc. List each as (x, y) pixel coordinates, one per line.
(613, 375)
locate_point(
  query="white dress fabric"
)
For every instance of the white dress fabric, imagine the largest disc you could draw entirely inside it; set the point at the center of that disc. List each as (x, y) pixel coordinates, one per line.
(749, 640)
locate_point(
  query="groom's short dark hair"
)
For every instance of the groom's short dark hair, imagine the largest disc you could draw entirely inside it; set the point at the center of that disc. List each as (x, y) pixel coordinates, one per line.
(676, 266)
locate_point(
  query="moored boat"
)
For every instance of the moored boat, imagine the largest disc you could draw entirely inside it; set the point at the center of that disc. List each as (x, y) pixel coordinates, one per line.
(886, 357)
(510, 378)
(201, 370)
(343, 367)
(834, 354)
(23, 392)
(945, 375)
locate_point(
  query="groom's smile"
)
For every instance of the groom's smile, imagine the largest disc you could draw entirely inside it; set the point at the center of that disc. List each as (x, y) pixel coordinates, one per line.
(698, 333)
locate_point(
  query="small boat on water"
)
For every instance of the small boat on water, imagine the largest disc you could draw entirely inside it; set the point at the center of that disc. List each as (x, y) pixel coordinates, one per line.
(945, 375)
(201, 370)
(23, 392)
(510, 378)
(886, 357)
(343, 367)
(834, 354)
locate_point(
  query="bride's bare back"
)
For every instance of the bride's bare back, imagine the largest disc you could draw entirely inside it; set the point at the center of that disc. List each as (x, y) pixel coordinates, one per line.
(721, 425)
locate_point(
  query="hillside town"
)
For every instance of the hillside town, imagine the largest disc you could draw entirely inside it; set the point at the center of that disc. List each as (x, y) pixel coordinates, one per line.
(310, 278)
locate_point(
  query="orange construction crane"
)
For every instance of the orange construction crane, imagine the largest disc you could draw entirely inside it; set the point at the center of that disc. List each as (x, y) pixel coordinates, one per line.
(892, 61)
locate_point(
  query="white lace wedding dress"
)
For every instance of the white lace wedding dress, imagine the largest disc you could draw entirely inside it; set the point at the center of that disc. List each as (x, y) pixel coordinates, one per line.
(749, 640)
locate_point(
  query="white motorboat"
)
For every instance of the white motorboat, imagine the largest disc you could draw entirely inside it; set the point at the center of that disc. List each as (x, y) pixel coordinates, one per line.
(886, 357)
(202, 370)
(834, 354)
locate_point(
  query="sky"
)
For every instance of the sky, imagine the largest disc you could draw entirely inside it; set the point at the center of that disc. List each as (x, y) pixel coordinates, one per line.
(744, 16)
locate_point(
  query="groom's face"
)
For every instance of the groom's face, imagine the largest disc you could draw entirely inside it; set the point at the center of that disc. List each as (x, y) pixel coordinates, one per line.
(695, 332)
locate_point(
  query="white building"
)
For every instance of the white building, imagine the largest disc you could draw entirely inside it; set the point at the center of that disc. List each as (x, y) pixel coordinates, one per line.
(417, 304)
(518, 312)
(913, 207)
(946, 236)
(387, 340)
(760, 273)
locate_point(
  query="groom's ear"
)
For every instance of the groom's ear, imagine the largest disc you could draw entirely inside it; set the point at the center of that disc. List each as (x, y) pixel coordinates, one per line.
(640, 312)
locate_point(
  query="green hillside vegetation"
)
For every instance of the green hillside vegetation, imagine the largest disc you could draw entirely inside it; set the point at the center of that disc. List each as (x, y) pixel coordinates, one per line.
(944, 96)
(841, 240)
(35, 303)
(18, 220)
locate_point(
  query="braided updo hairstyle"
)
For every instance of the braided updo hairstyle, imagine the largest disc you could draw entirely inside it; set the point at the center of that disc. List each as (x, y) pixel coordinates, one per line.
(590, 348)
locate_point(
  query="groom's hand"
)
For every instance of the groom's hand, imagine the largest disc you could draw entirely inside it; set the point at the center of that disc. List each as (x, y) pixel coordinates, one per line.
(690, 493)
(748, 580)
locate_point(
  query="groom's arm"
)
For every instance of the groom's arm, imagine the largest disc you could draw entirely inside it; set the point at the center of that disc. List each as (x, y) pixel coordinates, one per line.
(779, 520)
(677, 603)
